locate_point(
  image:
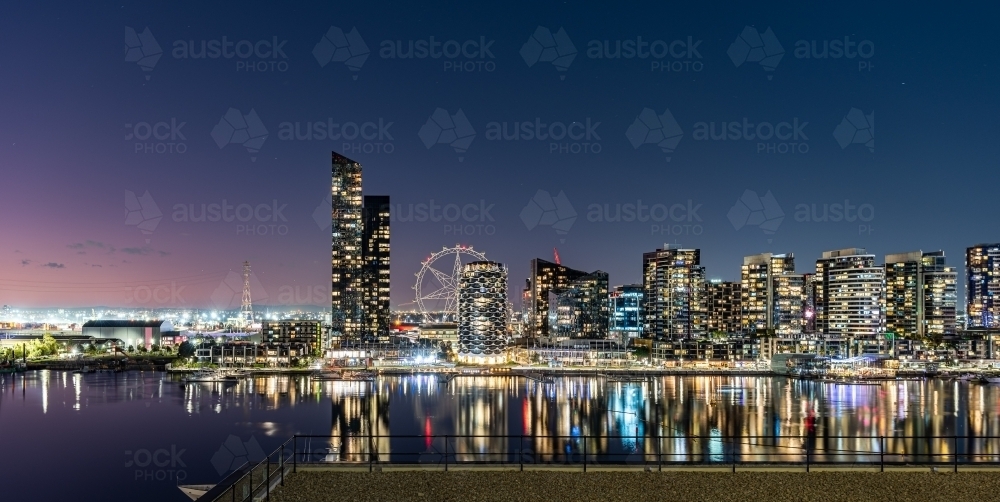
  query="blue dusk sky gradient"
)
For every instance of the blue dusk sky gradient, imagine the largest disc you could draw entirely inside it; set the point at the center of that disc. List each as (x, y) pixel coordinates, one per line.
(72, 107)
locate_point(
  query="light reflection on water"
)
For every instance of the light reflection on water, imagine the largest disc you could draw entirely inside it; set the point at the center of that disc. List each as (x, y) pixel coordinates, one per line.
(93, 418)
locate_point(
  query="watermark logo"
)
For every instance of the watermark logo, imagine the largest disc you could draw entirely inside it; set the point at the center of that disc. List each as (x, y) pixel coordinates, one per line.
(157, 137)
(142, 49)
(234, 453)
(229, 293)
(251, 220)
(161, 464)
(582, 136)
(755, 211)
(246, 130)
(461, 56)
(650, 128)
(160, 294)
(837, 49)
(142, 213)
(790, 135)
(667, 56)
(752, 46)
(856, 128)
(675, 219)
(542, 46)
(543, 209)
(323, 214)
(258, 56)
(454, 130)
(459, 219)
(349, 49)
(371, 136)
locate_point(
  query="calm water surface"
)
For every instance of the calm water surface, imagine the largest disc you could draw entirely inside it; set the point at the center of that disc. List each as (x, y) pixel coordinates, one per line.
(132, 436)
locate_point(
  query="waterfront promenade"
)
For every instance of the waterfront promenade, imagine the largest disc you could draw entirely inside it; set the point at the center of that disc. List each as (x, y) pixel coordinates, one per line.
(770, 484)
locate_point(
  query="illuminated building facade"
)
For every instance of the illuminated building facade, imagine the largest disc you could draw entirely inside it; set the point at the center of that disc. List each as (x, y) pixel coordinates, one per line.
(375, 267)
(920, 295)
(583, 308)
(308, 333)
(625, 311)
(982, 292)
(787, 315)
(762, 309)
(850, 295)
(482, 312)
(347, 227)
(547, 277)
(724, 307)
(673, 283)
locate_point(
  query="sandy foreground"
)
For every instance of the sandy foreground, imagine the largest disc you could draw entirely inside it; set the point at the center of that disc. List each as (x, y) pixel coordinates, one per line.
(636, 486)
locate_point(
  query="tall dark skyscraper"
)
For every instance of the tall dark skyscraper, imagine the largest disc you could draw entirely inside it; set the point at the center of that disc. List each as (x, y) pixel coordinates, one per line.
(375, 267)
(920, 295)
(347, 275)
(724, 307)
(582, 308)
(547, 277)
(674, 289)
(982, 292)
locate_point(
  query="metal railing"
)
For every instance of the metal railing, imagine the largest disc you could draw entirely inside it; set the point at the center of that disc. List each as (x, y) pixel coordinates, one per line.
(448, 451)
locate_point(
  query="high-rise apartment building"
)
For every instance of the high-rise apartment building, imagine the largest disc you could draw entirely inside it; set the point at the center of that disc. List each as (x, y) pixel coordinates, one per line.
(763, 310)
(346, 203)
(547, 278)
(375, 266)
(674, 290)
(982, 290)
(849, 294)
(582, 308)
(920, 295)
(724, 307)
(625, 310)
(482, 312)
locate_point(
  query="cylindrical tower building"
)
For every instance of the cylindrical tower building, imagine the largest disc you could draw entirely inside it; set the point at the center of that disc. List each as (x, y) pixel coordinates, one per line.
(482, 313)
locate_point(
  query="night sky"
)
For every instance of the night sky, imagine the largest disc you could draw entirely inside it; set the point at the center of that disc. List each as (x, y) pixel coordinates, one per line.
(76, 108)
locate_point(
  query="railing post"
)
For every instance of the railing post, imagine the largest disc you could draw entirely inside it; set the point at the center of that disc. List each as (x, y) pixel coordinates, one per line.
(267, 477)
(733, 451)
(251, 484)
(659, 463)
(295, 456)
(808, 451)
(881, 454)
(281, 463)
(584, 453)
(520, 452)
(371, 456)
(955, 446)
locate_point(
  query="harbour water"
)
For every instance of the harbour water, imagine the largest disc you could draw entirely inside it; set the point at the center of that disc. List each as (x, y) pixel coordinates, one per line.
(136, 435)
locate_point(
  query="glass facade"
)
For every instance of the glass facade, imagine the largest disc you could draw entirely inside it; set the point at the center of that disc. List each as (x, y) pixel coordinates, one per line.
(982, 293)
(674, 292)
(625, 309)
(347, 276)
(375, 268)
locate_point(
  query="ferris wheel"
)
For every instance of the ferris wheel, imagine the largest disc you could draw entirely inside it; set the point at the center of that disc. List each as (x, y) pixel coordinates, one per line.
(437, 280)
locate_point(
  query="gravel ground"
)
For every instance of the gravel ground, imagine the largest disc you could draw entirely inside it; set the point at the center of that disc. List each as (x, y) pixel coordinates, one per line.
(550, 486)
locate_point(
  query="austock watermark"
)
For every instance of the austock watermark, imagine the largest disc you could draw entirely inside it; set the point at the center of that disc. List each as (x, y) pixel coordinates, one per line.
(663, 218)
(765, 49)
(263, 55)
(471, 55)
(765, 212)
(663, 56)
(248, 219)
(156, 294)
(161, 464)
(351, 136)
(160, 137)
(465, 219)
